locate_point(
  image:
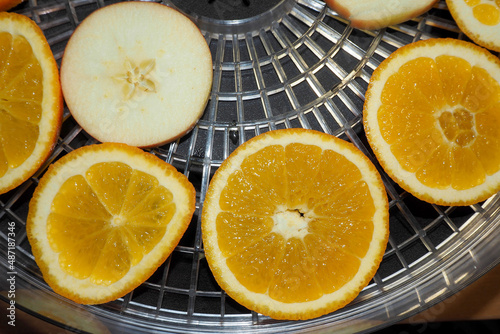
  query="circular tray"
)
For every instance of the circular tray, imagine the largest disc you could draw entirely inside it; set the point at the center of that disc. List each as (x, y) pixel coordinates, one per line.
(296, 64)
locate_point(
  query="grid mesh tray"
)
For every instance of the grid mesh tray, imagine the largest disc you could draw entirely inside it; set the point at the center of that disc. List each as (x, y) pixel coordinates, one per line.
(298, 64)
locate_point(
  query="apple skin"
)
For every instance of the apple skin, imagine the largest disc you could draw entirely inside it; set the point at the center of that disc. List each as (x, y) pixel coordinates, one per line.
(381, 13)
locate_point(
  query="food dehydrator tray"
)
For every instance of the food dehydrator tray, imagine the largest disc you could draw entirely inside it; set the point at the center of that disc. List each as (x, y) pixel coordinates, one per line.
(277, 64)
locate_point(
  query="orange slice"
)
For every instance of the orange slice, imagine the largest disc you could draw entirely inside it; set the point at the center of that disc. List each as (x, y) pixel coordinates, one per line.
(479, 20)
(30, 100)
(377, 14)
(295, 223)
(104, 217)
(138, 73)
(432, 114)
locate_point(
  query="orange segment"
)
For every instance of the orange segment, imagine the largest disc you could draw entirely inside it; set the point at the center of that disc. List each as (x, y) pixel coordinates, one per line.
(346, 234)
(422, 75)
(104, 217)
(30, 99)
(253, 266)
(4, 163)
(109, 181)
(345, 203)
(342, 181)
(145, 232)
(295, 283)
(488, 121)
(285, 247)
(18, 139)
(442, 152)
(454, 74)
(148, 229)
(414, 149)
(24, 75)
(62, 237)
(302, 164)
(436, 171)
(243, 196)
(136, 243)
(266, 168)
(158, 201)
(487, 143)
(467, 170)
(79, 259)
(414, 118)
(5, 51)
(487, 14)
(20, 58)
(416, 83)
(487, 152)
(329, 259)
(26, 111)
(76, 198)
(139, 186)
(399, 91)
(113, 260)
(156, 216)
(481, 91)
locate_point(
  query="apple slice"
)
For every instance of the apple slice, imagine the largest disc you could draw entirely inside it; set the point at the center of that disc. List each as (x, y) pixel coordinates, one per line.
(377, 14)
(138, 73)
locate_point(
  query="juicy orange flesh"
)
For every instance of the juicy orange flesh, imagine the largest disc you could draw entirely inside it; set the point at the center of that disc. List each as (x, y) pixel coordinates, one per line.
(439, 113)
(488, 13)
(104, 222)
(21, 93)
(331, 206)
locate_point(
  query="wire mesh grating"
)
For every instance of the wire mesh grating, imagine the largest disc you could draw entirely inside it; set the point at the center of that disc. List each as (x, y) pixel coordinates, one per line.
(306, 67)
